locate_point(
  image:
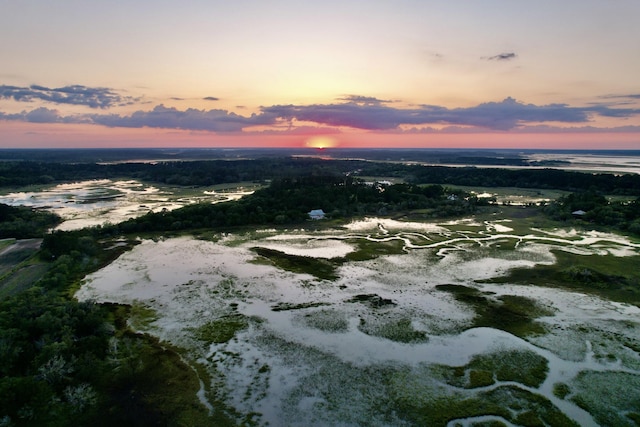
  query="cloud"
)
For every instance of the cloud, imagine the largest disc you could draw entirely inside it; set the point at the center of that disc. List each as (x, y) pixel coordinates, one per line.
(45, 115)
(504, 115)
(509, 113)
(627, 97)
(42, 115)
(98, 97)
(191, 119)
(359, 113)
(359, 99)
(507, 56)
(211, 98)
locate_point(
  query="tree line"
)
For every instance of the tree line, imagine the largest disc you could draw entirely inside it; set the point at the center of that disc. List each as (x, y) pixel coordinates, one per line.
(23, 223)
(289, 200)
(593, 207)
(211, 172)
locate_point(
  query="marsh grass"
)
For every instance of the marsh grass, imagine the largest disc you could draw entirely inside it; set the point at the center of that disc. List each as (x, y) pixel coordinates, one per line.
(221, 330)
(320, 268)
(160, 388)
(284, 306)
(332, 321)
(515, 405)
(141, 317)
(521, 366)
(561, 390)
(613, 277)
(368, 250)
(510, 313)
(611, 397)
(162, 392)
(394, 329)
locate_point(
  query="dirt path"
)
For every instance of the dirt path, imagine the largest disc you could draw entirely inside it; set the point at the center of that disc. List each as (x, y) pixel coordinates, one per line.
(21, 245)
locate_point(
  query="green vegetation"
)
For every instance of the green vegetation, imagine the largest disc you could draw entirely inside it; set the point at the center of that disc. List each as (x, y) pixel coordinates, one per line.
(399, 330)
(522, 366)
(21, 278)
(611, 397)
(24, 223)
(515, 405)
(511, 313)
(561, 390)
(372, 300)
(321, 268)
(221, 330)
(282, 306)
(287, 201)
(20, 266)
(210, 172)
(367, 249)
(68, 362)
(326, 320)
(141, 317)
(621, 215)
(613, 277)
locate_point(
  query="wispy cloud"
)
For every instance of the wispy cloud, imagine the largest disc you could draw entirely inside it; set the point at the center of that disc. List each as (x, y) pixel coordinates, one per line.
(357, 112)
(622, 96)
(506, 56)
(359, 99)
(98, 97)
(211, 98)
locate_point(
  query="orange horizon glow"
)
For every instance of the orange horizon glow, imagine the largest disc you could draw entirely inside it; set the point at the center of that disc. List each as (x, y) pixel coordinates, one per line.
(321, 142)
(31, 135)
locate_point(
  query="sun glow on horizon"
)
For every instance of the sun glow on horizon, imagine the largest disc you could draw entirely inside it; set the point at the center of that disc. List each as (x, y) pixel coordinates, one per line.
(321, 142)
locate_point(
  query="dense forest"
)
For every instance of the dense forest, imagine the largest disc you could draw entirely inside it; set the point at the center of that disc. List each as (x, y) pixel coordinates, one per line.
(23, 223)
(594, 208)
(211, 172)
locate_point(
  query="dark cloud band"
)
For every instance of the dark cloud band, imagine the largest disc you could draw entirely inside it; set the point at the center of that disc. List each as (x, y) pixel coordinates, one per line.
(99, 97)
(357, 112)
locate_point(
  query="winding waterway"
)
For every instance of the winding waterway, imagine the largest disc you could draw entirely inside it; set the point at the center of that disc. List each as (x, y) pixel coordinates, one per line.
(272, 366)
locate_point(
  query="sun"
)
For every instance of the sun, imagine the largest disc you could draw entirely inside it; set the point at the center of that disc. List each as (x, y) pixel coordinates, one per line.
(321, 142)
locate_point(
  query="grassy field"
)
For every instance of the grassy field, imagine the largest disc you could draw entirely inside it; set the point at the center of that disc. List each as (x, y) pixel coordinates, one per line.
(19, 266)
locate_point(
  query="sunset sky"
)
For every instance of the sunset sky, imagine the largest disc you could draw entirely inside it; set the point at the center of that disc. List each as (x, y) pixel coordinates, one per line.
(374, 73)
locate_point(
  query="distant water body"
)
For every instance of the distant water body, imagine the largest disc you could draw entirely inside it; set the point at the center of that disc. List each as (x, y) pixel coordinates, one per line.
(596, 161)
(605, 161)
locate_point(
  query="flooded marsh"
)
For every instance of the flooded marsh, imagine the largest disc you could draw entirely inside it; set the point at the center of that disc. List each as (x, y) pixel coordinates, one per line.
(416, 333)
(96, 202)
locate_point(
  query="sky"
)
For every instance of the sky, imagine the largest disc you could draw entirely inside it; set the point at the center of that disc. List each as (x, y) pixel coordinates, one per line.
(347, 73)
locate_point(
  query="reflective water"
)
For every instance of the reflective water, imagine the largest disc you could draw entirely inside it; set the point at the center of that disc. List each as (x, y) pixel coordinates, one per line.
(190, 282)
(96, 202)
